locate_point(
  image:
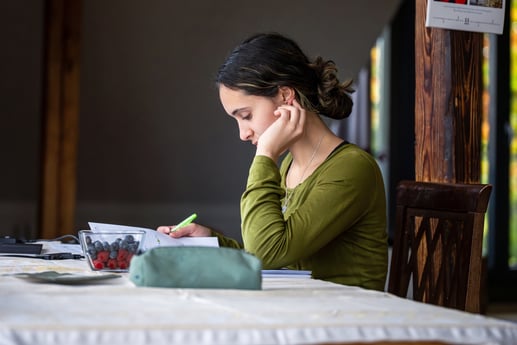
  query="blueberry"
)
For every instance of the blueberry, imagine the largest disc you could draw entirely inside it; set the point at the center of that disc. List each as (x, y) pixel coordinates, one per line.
(115, 245)
(92, 252)
(98, 245)
(132, 247)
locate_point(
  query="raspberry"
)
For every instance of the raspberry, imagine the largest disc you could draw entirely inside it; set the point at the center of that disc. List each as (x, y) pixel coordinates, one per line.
(123, 265)
(122, 255)
(98, 264)
(112, 264)
(103, 256)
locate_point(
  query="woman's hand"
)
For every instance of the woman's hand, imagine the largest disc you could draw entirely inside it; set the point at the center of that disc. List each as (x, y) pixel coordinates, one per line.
(288, 128)
(191, 230)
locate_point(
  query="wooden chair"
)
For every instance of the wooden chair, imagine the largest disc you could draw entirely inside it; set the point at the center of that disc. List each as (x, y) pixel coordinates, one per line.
(438, 243)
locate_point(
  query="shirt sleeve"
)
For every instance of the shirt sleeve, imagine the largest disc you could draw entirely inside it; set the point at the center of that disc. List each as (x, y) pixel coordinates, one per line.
(226, 241)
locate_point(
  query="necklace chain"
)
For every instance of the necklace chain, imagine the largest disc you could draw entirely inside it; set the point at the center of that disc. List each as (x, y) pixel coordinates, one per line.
(289, 195)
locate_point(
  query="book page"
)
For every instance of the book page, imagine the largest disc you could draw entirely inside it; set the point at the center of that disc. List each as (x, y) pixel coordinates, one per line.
(154, 238)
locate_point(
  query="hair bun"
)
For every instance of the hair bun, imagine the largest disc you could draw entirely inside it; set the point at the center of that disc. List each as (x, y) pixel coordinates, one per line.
(334, 97)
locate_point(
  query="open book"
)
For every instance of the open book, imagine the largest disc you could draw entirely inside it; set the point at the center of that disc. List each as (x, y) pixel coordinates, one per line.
(154, 238)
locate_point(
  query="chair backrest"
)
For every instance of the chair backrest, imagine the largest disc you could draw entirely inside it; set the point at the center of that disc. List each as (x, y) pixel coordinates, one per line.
(438, 243)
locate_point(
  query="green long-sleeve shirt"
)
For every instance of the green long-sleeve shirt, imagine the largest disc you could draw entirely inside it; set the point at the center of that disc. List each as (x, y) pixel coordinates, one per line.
(334, 225)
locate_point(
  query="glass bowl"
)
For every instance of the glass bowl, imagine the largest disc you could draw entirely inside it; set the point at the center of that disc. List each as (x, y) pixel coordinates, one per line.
(110, 251)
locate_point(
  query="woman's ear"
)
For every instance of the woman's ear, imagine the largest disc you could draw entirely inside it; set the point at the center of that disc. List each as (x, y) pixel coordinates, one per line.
(287, 93)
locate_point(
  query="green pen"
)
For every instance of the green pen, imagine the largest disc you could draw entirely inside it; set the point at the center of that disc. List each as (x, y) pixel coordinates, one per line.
(185, 222)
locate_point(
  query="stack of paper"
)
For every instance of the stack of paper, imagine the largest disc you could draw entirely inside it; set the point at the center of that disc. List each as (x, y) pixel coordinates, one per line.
(154, 238)
(284, 273)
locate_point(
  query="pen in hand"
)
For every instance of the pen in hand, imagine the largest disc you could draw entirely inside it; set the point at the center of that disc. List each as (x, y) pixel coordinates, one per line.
(184, 222)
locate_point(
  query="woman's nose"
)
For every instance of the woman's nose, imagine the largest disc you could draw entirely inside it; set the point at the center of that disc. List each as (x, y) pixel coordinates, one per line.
(245, 133)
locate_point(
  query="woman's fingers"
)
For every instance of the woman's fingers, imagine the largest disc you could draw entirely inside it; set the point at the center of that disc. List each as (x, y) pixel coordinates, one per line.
(191, 230)
(289, 127)
(181, 232)
(294, 117)
(164, 229)
(184, 231)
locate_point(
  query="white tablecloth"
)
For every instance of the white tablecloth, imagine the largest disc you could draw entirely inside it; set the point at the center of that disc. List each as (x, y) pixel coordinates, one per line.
(287, 311)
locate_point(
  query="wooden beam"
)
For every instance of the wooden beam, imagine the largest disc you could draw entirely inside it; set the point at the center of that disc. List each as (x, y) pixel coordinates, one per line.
(448, 88)
(60, 117)
(467, 91)
(448, 104)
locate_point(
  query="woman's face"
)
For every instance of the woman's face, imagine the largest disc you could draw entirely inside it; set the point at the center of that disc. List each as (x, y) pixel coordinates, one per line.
(254, 114)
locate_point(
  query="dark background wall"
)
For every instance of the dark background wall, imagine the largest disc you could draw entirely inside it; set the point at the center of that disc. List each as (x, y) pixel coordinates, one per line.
(155, 145)
(21, 43)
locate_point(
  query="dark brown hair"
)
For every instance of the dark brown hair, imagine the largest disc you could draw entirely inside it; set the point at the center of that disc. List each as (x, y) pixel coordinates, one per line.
(264, 62)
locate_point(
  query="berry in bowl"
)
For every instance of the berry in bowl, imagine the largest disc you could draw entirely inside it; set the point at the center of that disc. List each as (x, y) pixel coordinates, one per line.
(110, 251)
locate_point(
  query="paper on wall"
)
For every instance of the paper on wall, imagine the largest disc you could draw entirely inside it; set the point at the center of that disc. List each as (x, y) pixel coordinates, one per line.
(466, 15)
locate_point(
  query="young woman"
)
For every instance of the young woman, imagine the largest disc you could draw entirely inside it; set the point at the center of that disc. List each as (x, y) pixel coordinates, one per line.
(323, 208)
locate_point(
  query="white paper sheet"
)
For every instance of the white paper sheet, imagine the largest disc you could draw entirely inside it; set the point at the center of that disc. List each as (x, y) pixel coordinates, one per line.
(154, 238)
(59, 247)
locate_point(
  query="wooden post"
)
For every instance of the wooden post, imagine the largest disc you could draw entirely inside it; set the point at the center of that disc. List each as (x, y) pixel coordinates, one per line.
(447, 102)
(60, 117)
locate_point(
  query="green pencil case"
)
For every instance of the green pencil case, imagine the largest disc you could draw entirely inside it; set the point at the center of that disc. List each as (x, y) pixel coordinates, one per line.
(196, 267)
